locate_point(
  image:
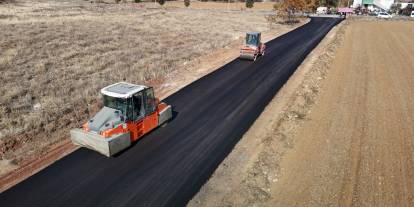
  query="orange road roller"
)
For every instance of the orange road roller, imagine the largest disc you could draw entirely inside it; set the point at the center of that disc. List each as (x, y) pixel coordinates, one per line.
(129, 112)
(253, 46)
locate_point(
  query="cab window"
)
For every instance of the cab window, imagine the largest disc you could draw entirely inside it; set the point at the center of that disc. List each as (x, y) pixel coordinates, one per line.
(138, 109)
(150, 102)
(251, 39)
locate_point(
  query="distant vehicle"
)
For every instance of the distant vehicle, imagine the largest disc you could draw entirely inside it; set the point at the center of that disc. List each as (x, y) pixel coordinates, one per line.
(412, 14)
(253, 46)
(322, 10)
(374, 13)
(384, 15)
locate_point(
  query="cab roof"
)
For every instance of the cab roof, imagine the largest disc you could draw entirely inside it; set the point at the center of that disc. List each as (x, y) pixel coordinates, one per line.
(122, 90)
(253, 33)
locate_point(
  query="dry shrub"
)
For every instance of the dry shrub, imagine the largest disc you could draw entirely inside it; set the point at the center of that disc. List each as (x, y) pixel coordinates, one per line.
(272, 20)
(285, 12)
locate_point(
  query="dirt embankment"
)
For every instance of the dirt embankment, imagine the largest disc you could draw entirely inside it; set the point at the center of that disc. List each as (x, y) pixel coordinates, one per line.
(357, 147)
(349, 146)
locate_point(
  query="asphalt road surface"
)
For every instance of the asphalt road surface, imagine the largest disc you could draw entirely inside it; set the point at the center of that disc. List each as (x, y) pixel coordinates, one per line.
(168, 166)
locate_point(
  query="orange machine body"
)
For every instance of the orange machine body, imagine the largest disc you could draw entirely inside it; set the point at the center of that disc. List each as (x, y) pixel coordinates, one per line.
(253, 50)
(137, 128)
(130, 111)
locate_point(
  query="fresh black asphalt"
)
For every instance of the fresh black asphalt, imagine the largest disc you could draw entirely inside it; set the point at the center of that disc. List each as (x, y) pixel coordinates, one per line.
(168, 166)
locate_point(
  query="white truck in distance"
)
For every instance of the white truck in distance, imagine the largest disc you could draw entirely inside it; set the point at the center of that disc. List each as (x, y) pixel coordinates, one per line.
(322, 10)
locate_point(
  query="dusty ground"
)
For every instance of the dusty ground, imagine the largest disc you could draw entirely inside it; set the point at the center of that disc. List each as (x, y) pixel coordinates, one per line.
(36, 147)
(342, 138)
(358, 148)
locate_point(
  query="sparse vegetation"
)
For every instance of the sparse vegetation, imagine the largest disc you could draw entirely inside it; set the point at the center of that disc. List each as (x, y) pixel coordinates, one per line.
(54, 60)
(276, 6)
(285, 11)
(395, 8)
(272, 20)
(161, 2)
(289, 8)
(186, 3)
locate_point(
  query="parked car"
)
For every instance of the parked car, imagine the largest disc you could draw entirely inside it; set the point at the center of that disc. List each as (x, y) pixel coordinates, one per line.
(412, 14)
(384, 15)
(322, 10)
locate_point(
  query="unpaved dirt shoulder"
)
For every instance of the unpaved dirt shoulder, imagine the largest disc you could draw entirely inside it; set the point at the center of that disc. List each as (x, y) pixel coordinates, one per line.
(192, 70)
(246, 176)
(357, 148)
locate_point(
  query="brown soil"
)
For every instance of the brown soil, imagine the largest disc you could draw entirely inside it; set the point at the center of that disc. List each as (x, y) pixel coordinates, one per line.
(337, 139)
(357, 147)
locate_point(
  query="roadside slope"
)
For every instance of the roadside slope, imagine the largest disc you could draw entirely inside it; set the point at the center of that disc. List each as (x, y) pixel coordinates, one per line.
(357, 147)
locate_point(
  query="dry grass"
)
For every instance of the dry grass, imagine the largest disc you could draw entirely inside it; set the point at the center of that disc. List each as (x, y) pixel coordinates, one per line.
(264, 6)
(55, 56)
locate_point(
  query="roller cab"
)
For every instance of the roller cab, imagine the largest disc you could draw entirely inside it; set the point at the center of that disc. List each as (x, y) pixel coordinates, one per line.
(129, 112)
